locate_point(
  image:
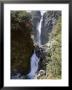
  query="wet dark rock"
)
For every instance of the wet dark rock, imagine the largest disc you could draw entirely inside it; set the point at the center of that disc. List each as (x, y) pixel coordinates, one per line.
(18, 76)
(40, 52)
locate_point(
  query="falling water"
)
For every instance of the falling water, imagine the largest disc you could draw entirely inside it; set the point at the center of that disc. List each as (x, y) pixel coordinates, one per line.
(34, 66)
(39, 31)
(34, 58)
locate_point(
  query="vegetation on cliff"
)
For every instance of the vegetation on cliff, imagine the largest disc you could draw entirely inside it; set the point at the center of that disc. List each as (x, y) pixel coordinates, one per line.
(21, 42)
(53, 57)
(23, 25)
(54, 66)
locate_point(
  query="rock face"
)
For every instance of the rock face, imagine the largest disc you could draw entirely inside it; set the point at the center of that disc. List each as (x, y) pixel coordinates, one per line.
(49, 20)
(36, 15)
(21, 42)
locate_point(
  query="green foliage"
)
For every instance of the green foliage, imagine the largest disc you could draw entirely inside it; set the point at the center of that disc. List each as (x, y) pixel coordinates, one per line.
(20, 15)
(53, 68)
(53, 57)
(20, 19)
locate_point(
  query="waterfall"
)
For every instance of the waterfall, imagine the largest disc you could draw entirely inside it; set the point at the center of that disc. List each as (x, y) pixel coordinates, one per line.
(34, 66)
(39, 31)
(34, 59)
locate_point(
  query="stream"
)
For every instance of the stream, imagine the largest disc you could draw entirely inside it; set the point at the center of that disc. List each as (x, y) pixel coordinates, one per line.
(34, 64)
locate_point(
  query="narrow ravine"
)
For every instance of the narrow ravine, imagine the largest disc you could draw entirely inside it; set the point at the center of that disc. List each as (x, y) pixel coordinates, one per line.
(35, 58)
(36, 44)
(34, 64)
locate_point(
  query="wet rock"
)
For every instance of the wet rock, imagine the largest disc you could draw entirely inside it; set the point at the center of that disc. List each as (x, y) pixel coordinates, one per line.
(18, 76)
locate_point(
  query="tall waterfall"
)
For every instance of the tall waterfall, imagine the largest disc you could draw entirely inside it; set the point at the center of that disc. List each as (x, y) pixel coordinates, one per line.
(34, 59)
(39, 30)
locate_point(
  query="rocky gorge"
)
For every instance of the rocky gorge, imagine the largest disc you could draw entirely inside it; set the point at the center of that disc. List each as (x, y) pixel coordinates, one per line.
(25, 37)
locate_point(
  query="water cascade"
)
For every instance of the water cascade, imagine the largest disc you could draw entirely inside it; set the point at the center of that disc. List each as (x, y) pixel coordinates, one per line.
(34, 66)
(34, 58)
(39, 31)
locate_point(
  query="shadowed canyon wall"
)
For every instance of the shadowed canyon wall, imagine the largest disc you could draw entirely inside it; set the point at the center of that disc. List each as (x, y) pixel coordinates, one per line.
(21, 42)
